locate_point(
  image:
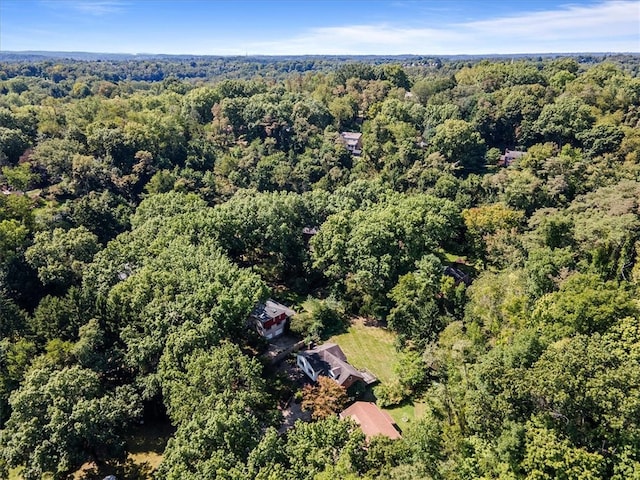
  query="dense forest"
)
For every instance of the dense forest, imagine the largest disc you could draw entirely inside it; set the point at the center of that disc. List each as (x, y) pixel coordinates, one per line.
(148, 205)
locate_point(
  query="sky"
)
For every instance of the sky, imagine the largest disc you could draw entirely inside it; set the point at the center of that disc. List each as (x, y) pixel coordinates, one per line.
(320, 27)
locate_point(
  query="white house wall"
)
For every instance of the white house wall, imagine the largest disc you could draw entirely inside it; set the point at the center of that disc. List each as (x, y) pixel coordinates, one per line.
(306, 368)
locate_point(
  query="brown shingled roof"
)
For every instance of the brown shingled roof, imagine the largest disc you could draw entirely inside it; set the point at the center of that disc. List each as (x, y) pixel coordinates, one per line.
(372, 420)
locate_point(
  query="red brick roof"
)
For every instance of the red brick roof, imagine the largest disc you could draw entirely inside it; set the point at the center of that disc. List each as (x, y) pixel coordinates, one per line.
(372, 420)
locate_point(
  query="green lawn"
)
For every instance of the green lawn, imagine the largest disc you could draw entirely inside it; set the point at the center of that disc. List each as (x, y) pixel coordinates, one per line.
(373, 349)
(405, 414)
(370, 348)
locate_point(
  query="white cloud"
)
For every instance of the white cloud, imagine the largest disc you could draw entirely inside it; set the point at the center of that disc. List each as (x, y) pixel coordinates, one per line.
(613, 18)
(609, 26)
(89, 7)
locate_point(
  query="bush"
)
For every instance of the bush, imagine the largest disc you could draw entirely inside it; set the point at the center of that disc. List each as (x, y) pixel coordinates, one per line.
(318, 321)
(389, 394)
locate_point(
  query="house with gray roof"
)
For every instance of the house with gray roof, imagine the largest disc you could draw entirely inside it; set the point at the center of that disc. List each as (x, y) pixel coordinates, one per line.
(270, 318)
(329, 360)
(509, 157)
(353, 142)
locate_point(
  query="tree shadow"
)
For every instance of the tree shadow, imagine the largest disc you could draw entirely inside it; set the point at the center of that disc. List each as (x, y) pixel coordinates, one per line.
(129, 470)
(333, 325)
(150, 437)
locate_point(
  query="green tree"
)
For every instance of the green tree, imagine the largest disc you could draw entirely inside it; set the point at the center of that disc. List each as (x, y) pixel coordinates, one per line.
(13, 239)
(20, 177)
(102, 213)
(55, 155)
(563, 121)
(220, 405)
(59, 317)
(198, 104)
(584, 304)
(549, 457)
(459, 142)
(60, 256)
(585, 387)
(13, 143)
(15, 357)
(485, 222)
(312, 447)
(63, 418)
(190, 293)
(367, 250)
(396, 75)
(415, 315)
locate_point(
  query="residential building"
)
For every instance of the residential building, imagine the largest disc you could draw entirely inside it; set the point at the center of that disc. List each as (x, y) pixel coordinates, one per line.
(372, 420)
(329, 360)
(270, 318)
(353, 142)
(509, 157)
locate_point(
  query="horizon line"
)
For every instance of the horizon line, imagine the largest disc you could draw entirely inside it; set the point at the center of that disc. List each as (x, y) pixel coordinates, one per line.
(250, 55)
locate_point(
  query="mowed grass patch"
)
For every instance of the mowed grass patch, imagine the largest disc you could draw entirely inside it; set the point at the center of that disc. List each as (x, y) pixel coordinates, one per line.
(369, 348)
(406, 414)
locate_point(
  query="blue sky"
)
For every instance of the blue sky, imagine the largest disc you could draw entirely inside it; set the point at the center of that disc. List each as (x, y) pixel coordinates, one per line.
(262, 27)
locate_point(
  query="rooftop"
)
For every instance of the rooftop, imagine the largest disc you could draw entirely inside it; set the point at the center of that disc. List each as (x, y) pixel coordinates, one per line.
(271, 309)
(329, 357)
(351, 135)
(372, 420)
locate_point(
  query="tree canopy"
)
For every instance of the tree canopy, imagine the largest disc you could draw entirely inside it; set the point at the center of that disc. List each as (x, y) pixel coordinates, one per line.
(490, 225)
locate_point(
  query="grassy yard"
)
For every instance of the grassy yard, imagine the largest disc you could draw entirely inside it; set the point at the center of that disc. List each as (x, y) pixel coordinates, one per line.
(372, 348)
(405, 414)
(369, 348)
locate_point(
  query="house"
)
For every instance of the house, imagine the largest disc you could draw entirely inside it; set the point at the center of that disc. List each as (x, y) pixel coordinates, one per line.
(458, 275)
(509, 157)
(329, 360)
(353, 142)
(270, 318)
(372, 420)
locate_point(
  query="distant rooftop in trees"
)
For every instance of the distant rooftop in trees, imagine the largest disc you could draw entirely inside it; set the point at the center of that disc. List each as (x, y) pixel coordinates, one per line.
(353, 142)
(510, 156)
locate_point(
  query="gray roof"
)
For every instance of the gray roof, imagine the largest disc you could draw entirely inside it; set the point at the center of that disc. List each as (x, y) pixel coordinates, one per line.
(271, 309)
(351, 135)
(330, 357)
(351, 138)
(511, 155)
